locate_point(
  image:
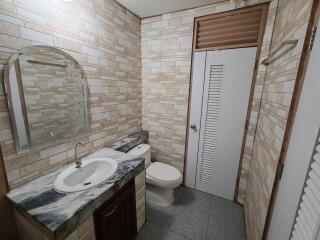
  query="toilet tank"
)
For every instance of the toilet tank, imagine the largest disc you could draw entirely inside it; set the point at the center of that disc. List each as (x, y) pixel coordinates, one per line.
(142, 150)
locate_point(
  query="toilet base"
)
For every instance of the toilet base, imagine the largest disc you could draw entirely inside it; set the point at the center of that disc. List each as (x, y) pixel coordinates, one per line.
(159, 196)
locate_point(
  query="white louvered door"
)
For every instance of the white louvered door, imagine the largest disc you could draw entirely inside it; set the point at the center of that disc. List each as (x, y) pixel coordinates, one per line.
(307, 222)
(226, 89)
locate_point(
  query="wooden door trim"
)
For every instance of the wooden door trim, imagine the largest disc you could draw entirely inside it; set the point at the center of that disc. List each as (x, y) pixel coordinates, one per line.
(189, 105)
(262, 28)
(302, 69)
(9, 230)
(2, 168)
(265, 9)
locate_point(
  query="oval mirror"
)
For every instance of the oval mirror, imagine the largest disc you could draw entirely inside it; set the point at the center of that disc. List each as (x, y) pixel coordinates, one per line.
(47, 95)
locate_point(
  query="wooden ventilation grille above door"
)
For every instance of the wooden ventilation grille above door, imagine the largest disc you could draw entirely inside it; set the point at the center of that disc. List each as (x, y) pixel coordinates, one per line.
(234, 29)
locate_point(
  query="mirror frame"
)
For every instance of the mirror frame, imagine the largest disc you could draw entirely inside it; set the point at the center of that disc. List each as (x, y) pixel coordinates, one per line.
(12, 62)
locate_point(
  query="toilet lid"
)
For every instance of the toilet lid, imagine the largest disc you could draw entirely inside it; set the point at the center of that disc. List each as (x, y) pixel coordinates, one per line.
(163, 172)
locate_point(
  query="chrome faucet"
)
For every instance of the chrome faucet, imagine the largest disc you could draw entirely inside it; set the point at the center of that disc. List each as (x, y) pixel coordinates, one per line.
(76, 159)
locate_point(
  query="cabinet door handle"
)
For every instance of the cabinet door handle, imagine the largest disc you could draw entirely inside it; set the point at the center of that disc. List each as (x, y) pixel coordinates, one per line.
(110, 213)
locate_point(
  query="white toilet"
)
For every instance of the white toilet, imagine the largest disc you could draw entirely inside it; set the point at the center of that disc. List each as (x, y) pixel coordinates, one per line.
(161, 178)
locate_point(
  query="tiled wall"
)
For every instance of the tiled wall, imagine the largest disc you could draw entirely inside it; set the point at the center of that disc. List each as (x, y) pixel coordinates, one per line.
(291, 23)
(105, 39)
(28, 231)
(166, 61)
(166, 43)
(253, 119)
(140, 186)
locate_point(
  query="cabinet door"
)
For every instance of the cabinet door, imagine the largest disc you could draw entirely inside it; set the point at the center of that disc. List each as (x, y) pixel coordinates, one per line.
(110, 223)
(128, 216)
(116, 220)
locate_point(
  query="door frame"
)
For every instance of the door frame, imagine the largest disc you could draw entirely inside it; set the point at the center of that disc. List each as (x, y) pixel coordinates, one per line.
(302, 70)
(265, 8)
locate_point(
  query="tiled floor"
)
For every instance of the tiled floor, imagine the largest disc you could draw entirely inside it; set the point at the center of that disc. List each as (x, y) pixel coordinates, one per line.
(194, 216)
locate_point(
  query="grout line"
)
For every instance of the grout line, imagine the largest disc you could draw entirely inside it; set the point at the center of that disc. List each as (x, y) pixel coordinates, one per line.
(183, 236)
(166, 233)
(210, 216)
(174, 214)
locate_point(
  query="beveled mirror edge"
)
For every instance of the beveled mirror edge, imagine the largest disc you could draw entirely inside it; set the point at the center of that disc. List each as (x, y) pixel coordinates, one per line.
(13, 124)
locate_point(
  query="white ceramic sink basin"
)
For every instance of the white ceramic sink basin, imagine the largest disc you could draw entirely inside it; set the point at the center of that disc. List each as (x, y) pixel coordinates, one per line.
(92, 172)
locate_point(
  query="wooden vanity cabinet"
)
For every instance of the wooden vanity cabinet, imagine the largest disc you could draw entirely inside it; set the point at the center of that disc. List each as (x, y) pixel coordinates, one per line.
(116, 219)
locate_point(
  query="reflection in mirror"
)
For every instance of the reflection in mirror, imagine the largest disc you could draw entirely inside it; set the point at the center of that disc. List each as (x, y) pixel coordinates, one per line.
(47, 95)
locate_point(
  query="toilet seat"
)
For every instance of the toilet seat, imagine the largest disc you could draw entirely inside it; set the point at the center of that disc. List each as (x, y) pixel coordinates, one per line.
(163, 175)
(161, 178)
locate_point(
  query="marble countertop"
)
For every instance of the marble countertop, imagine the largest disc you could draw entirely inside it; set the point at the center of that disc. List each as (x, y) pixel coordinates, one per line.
(58, 214)
(131, 141)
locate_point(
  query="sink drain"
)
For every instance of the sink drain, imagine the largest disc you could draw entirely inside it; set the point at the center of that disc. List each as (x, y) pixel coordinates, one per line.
(87, 183)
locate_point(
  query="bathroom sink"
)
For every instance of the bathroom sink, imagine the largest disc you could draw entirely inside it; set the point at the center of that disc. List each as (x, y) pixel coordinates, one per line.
(92, 172)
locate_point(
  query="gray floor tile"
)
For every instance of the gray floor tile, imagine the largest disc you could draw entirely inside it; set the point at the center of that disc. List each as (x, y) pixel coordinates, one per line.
(159, 215)
(219, 229)
(194, 216)
(194, 201)
(163, 215)
(228, 210)
(190, 224)
(173, 236)
(178, 195)
(152, 231)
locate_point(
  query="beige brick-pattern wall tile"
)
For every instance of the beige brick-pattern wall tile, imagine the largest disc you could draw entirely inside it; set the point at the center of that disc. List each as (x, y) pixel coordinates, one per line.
(28, 231)
(166, 48)
(291, 23)
(166, 61)
(255, 108)
(105, 39)
(140, 187)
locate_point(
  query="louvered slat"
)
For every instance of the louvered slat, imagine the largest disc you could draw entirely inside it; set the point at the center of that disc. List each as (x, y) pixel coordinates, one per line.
(235, 35)
(229, 25)
(307, 220)
(212, 122)
(231, 42)
(235, 29)
(226, 31)
(231, 19)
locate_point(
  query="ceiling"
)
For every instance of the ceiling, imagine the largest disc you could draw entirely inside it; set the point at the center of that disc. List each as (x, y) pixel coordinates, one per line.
(148, 8)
